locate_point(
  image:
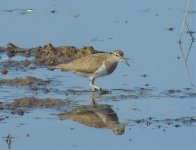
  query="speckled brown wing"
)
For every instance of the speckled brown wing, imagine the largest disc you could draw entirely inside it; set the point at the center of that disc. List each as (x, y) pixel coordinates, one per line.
(88, 64)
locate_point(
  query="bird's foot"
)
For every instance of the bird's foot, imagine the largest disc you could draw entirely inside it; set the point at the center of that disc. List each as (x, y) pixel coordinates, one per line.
(94, 87)
(51, 69)
(104, 91)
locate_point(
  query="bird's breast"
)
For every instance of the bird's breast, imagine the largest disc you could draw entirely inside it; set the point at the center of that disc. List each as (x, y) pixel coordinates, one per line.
(104, 69)
(110, 67)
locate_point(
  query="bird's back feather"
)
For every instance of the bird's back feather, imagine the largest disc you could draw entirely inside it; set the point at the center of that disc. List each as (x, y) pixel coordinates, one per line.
(88, 64)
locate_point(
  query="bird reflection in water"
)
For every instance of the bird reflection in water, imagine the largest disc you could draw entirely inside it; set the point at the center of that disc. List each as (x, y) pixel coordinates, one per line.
(95, 115)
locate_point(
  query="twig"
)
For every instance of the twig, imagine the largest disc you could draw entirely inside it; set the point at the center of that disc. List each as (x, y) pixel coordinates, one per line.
(192, 40)
(186, 66)
(189, 31)
(184, 20)
(180, 42)
(189, 50)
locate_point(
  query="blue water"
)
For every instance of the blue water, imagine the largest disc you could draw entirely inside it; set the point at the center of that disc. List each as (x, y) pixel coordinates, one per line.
(140, 29)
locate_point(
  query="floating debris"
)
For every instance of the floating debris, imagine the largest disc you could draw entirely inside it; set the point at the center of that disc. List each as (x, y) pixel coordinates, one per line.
(170, 29)
(144, 75)
(76, 15)
(53, 11)
(20, 11)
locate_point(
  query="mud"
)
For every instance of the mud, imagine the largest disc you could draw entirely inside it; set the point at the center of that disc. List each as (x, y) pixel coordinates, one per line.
(13, 64)
(48, 54)
(12, 50)
(28, 80)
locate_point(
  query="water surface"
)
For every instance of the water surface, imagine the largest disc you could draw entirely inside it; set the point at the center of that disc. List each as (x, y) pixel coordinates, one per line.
(153, 98)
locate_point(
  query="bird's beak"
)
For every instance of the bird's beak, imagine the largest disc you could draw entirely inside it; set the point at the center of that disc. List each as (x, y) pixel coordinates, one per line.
(125, 61)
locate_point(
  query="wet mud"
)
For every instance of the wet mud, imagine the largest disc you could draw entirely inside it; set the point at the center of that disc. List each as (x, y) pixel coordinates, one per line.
(28, 80)
(48, 54)
(13, 64)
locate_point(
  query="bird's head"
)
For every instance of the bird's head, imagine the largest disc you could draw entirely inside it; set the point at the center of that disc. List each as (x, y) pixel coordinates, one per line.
(118, 56)
(118, 129)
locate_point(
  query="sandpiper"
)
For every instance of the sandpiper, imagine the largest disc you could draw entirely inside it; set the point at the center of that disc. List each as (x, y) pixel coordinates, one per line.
(94, 66)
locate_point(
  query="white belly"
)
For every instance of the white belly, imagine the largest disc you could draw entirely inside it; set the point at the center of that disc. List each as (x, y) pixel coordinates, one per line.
(102, 71)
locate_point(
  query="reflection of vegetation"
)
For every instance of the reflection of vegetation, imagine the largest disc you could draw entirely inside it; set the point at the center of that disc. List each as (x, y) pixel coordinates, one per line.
(185, 57)
(8, 140)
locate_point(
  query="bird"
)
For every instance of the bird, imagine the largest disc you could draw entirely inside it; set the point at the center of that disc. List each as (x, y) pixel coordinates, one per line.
(94, 66)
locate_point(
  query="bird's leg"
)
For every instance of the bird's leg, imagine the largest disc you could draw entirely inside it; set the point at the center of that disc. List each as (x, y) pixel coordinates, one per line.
(93, 97)
(93, 86)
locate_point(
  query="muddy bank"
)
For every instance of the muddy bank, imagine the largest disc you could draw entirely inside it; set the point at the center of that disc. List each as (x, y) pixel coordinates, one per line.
(28, 80)
(48, 54)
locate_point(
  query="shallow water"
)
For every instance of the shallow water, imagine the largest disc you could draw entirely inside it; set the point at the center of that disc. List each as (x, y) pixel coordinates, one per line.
(153, 98)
